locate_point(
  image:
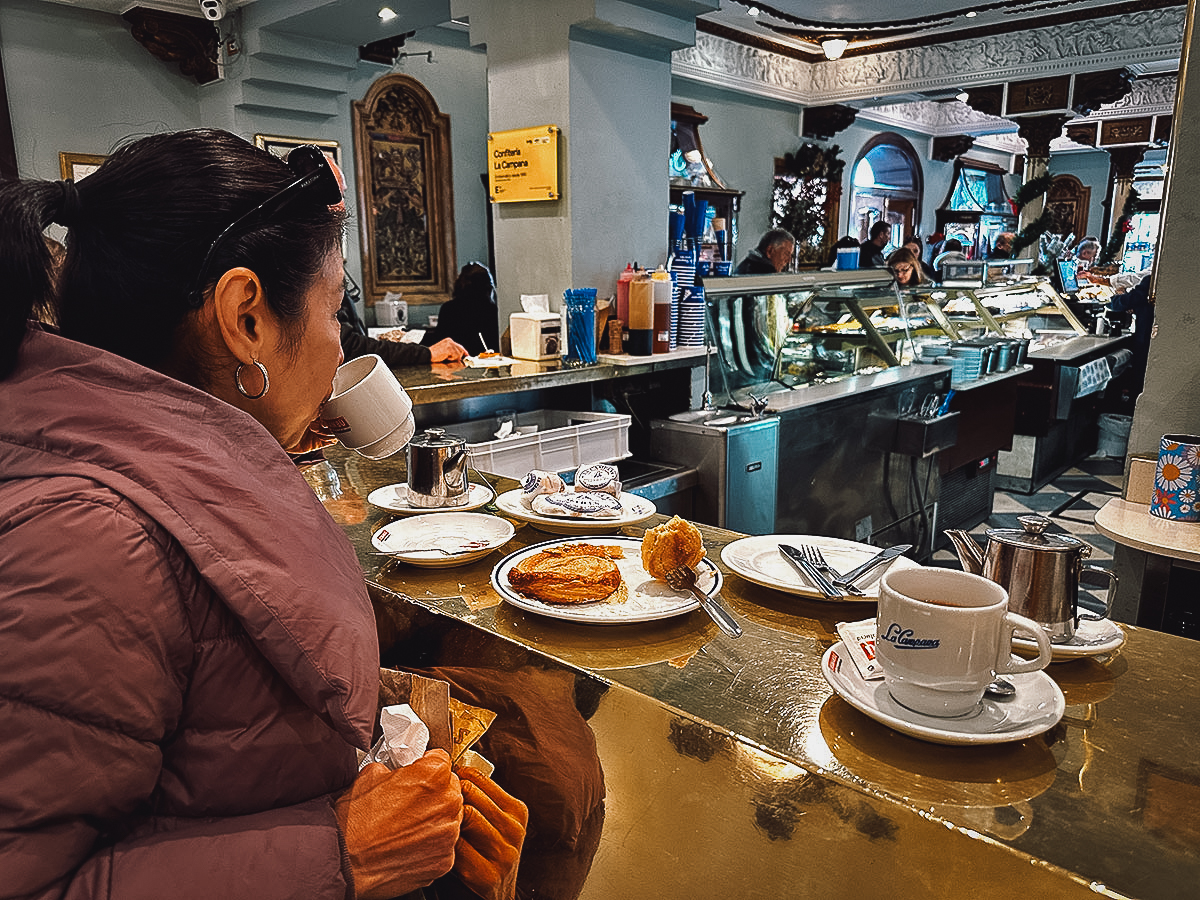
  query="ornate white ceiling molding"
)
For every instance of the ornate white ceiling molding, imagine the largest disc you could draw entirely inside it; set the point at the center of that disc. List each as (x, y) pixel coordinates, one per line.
(936, 119)
(1143, 38)
(1150, 96)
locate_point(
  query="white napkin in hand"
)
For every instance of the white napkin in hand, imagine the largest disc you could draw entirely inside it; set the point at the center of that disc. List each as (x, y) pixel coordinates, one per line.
(405, 738)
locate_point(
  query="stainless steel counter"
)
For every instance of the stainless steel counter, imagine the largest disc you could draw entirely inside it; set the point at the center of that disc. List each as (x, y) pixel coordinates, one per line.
(733, 770)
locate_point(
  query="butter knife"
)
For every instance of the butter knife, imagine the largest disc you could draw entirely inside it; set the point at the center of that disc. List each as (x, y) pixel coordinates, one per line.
(811, 572)
(879, 559)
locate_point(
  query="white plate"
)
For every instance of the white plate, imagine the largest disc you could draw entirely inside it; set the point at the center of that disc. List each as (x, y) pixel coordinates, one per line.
(759, 559)
(1036, 707)
(634, 509)
(405, 539)
(1092, 638)
(394, 498)
(648, 599)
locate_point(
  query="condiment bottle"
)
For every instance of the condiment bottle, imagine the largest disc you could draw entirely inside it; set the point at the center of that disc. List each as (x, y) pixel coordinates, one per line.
(641, 318)
(662, 310)
(623, 296)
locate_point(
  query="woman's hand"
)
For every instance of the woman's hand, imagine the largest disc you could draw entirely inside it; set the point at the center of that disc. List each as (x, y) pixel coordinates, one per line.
(447, 350)
(401, 826)
(493, 830)
(316, 437)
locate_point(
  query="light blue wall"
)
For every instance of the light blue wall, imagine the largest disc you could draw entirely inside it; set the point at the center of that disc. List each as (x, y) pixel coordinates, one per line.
(1092, 168)
(78, 82)
(742, 138)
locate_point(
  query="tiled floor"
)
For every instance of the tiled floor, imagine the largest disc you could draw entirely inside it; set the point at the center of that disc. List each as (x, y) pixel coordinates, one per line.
(1100, 476)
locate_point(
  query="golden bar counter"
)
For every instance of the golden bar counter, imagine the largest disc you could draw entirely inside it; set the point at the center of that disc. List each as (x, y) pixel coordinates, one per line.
(732, 769)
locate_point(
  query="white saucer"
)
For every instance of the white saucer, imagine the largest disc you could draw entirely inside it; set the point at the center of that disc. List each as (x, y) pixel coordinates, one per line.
(1092, 638)
(1036, 707)
(394, 498)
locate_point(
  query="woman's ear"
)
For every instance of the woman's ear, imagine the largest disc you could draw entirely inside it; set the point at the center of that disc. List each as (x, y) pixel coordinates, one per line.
(240, 309)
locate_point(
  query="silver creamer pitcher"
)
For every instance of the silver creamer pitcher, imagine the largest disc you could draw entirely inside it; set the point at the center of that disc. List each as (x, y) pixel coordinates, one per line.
(1041, 572)
(437, 470)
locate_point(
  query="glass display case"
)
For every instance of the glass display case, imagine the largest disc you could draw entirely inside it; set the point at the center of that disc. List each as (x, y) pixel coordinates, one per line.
(779, 332)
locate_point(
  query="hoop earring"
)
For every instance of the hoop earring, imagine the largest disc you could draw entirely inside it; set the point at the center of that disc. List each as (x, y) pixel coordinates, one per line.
(237, 378)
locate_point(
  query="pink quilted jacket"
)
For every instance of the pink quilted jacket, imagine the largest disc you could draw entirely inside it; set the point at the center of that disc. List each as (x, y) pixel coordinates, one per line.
(188, 653)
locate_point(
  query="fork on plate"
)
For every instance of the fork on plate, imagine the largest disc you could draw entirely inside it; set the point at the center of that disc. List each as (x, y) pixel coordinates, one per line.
(814, 555)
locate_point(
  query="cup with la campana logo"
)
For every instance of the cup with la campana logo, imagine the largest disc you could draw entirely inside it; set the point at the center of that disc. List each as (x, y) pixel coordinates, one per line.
(368, 411)
(942, 636)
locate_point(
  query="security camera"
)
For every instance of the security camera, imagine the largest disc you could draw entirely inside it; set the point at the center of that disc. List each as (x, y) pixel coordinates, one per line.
(213, 10)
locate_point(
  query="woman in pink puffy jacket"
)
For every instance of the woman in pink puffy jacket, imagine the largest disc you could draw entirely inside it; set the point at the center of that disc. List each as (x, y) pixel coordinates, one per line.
(190, 657)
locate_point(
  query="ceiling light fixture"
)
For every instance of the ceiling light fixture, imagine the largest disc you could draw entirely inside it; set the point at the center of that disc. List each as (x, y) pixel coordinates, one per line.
(972, 14)
(962, 96)
(386, 14)
(833, 48)
(753, 11)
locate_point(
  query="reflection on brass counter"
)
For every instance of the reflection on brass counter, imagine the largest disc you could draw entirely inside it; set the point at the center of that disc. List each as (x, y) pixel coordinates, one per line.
(732, 770)
(443, 382)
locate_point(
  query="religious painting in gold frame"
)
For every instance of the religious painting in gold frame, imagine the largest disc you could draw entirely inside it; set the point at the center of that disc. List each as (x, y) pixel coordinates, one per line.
(405, 192)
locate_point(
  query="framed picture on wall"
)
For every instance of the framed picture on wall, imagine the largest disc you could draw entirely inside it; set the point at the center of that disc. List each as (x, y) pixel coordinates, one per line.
(405, 192)
(282, 146)
(77, 166)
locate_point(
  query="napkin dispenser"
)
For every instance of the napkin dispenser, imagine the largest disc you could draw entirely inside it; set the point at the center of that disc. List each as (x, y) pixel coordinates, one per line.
(536, 335)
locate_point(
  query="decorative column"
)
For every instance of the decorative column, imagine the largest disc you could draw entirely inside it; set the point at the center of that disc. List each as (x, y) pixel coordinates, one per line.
(602, 74)
(1121, 161)
(1038, 132)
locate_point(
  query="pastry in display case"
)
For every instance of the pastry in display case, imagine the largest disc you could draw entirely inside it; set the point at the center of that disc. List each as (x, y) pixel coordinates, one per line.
(780, 332)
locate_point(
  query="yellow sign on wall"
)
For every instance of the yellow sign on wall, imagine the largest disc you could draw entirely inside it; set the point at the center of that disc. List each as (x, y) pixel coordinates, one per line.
(523, 164)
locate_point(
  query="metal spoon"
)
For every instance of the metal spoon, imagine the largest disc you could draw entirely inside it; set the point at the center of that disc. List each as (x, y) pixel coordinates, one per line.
(1001, 689)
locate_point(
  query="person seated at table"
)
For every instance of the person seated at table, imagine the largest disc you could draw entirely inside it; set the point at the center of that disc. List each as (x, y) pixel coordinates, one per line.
(191, 658)
(470, 317)
(906, 267)
(357, 342)
(772, 255)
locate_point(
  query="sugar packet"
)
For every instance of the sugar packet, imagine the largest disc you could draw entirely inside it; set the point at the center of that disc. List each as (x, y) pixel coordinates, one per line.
(859, 638)
(405, 738)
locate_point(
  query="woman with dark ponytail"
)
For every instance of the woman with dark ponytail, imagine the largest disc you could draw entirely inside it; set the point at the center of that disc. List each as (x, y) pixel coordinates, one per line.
(187, 673)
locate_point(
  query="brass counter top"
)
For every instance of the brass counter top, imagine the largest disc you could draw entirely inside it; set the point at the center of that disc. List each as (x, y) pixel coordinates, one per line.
(443, 382)
(792, 792)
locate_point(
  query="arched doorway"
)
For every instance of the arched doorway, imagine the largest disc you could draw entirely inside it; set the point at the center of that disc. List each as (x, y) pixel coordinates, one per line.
(886, 186)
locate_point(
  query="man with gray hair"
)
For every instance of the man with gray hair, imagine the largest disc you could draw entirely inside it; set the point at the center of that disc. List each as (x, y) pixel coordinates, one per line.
(773, 254)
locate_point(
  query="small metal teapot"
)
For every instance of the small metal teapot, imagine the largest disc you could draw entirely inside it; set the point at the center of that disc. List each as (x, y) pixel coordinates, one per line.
(1041, 572)
(437, 470)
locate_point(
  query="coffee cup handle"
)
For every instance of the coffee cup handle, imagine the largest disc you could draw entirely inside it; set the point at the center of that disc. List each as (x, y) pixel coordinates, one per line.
(1013, 665)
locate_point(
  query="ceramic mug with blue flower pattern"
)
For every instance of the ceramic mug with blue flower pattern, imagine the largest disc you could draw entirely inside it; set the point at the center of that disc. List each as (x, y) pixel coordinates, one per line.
(1177, 479)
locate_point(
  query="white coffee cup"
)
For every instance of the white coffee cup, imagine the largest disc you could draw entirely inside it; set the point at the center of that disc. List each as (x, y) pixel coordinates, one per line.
(369, 412)
(942, 636)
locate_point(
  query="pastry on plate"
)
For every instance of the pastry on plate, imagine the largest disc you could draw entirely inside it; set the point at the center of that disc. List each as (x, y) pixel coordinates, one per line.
(585, 505)
(670, 545)
(570, 573)
(598, 477)
(537, 483)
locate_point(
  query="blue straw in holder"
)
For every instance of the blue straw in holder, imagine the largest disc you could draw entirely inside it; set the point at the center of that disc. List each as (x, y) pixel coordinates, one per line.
(580, 305)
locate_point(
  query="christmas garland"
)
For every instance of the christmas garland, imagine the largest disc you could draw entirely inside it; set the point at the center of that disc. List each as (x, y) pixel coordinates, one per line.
(812, 161)
(1031, 190)
(1112, 251)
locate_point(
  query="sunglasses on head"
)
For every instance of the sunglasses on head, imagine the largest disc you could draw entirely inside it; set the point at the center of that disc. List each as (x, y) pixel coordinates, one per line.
(313, 176)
